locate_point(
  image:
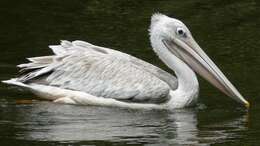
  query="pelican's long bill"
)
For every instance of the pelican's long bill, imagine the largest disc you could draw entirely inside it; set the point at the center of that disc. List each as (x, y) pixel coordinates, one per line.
(191, 53)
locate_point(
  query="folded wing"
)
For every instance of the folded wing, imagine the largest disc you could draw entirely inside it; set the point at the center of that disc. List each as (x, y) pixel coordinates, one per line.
(99, 71)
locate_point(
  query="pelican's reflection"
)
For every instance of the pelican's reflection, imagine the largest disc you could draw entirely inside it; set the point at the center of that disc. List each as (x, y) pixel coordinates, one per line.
(55, 122)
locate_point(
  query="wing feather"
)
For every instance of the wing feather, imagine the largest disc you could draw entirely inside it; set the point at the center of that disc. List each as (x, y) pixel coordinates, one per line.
(101, 72)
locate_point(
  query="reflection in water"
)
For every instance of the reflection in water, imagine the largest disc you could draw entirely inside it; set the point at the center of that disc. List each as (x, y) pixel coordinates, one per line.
(45, 121)
(226, 131)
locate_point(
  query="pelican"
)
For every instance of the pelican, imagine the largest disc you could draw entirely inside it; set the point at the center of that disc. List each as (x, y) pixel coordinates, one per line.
(82, 73)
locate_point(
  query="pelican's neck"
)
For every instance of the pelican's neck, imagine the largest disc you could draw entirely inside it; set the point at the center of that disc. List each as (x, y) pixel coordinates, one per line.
(187, 80)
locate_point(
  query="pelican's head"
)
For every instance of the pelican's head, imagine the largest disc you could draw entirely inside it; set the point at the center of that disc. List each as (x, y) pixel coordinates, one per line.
(177, 38)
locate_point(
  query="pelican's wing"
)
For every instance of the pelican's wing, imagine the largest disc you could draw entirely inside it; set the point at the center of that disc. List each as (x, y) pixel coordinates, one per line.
(156, 71)
(161, 74)
(99, 71)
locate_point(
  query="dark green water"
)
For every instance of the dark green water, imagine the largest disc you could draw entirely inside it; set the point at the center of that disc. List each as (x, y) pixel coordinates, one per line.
(227, 30)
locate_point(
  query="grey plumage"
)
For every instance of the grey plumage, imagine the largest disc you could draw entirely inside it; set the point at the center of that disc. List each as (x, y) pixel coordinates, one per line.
(101, 72)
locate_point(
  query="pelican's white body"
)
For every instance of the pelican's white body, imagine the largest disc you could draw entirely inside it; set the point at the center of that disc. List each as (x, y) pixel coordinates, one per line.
(185, 94)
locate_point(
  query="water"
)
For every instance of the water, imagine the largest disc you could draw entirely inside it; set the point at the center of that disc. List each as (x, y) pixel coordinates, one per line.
(227, 30)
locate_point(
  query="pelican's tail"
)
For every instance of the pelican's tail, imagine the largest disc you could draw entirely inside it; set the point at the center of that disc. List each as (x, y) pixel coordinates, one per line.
(39, 66)
(43, 91)
(36, 67)
(16, 82)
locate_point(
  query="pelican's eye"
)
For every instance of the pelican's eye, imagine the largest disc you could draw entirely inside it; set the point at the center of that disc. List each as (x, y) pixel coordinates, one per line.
(181, 32)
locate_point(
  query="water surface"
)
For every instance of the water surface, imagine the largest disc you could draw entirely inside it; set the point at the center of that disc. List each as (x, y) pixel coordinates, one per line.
(227, 30)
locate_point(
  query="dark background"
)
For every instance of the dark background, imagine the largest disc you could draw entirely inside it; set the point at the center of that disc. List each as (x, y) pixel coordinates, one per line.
(227, 30)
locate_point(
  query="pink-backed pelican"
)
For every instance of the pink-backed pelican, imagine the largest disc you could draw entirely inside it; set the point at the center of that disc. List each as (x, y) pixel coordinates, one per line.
(82, 73)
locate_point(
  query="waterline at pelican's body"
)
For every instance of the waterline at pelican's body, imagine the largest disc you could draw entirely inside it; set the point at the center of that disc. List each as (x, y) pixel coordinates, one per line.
(82, 73)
